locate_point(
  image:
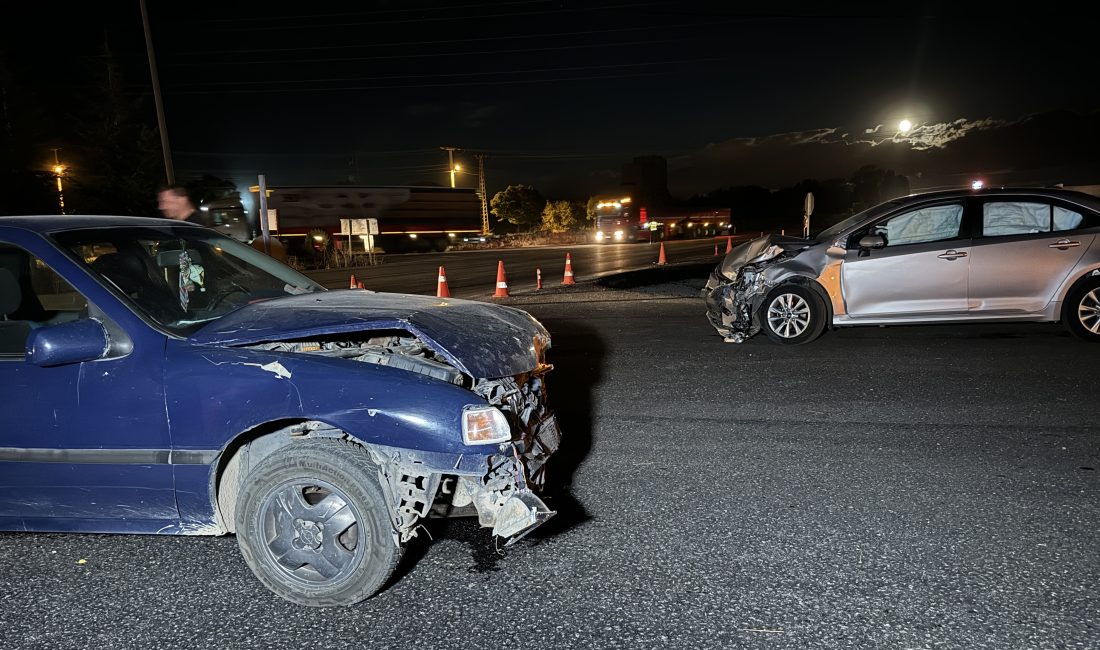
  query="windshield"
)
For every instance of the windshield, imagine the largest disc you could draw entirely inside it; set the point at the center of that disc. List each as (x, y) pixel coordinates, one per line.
(853, 221)
(182, 277)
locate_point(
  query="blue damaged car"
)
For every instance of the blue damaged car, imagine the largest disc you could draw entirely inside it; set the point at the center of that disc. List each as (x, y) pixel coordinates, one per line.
(158, 377)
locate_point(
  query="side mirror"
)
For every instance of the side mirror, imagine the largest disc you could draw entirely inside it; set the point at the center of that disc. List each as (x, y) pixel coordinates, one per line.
(872, 241)
(58, 345)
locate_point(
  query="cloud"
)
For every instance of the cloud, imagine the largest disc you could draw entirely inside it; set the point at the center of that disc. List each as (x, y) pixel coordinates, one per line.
(932, 136)
(1043, 148)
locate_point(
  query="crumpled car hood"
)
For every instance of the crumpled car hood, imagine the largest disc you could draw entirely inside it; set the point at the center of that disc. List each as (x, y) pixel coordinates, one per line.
(742, 253)
(480, 339)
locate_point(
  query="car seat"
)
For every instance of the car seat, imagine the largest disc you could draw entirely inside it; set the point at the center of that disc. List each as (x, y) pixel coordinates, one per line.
(13, 332)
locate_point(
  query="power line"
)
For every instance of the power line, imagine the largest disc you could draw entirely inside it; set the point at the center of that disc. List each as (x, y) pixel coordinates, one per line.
(453, 74)
(438, 19)
(412, 86)
(583, 46)
(318, 155)
(251, 19)
(614, 30)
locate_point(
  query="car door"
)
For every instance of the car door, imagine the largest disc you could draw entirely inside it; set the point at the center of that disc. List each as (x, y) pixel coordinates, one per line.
(1027, 248)
(922, 270)
(84, 446)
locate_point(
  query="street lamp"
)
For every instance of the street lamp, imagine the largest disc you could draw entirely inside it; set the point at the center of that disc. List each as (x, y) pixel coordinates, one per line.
(451, 166)
(59, 171)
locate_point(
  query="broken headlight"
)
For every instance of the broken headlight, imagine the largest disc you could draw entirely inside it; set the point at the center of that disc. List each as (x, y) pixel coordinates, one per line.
(483, 425)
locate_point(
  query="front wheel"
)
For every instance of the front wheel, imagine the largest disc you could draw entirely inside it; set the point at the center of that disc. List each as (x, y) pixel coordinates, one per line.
(1082, 310)
(313, 524)
(792, 315)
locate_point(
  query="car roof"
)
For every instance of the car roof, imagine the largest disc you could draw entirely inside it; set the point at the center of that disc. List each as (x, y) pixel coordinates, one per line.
(1080, 198)
(57, 222)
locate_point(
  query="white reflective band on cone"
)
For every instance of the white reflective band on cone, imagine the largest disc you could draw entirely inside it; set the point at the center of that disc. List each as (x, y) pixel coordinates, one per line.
(502, 285)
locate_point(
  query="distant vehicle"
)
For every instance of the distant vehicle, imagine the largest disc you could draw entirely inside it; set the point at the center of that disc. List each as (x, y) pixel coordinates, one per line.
(956, 256)
(161, 378)
(227, 216)
(618, 220)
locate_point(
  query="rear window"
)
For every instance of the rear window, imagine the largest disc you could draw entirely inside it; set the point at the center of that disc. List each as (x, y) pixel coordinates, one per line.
(1003, 218)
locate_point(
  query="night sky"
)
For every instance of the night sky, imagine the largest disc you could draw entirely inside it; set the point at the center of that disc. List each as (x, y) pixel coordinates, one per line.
(560, 94)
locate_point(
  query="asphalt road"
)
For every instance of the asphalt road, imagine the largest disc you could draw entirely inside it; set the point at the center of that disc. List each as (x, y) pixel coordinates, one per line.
(472, 274)
(901, 487)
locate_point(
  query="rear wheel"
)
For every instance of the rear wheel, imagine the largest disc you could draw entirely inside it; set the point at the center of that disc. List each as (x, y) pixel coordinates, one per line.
(313, 524)
(1082, 310)
(792, 315)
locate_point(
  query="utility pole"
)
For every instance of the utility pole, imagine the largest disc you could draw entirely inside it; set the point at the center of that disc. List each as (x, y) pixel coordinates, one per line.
(169, 170)
(481, 193)
(451, 162)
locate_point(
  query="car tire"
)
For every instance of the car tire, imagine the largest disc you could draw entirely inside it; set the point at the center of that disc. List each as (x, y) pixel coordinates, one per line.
(314, 526)
(1081, 311)
(792, 314)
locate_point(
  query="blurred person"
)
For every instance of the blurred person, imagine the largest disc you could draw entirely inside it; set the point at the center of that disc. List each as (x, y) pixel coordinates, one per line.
(174, 202)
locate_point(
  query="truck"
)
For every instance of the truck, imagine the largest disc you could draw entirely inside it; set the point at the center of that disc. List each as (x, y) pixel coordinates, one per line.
(618, 220)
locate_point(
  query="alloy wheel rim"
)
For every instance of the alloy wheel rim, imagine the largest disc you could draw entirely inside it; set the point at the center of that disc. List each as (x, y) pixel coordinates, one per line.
(1088, 311)
(311, 532)
(789, 315)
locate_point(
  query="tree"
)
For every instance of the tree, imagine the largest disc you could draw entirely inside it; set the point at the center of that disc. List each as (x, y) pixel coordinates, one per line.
(116, 161)
(590, 211)
(873, 185)
(518, 204)
(26, 185)
(561, 216)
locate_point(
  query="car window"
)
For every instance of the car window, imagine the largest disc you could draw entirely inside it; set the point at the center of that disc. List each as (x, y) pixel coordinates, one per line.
(181, 277)
(929, 224)
(32, 295)
(1067, 219)
(1000, 218)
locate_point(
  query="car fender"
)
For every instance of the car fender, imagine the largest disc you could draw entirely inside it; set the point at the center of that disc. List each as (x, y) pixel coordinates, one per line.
(1071, 281)
(786, 275)
(215, 393)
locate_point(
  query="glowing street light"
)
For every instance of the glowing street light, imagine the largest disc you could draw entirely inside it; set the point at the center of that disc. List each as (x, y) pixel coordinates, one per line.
(905, 126)
(59, 171)
(451, 166)
(977, 184)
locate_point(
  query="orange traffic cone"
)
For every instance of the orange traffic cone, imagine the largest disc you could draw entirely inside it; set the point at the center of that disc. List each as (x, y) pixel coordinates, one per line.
(538, 278)
(441, 288)
(568, 279)
(353, 285)
(502, 281)
(360, 286)
(729, 244)
(661, 257)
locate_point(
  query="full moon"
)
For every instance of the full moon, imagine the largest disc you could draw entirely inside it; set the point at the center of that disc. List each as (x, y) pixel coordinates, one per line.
(905, 126)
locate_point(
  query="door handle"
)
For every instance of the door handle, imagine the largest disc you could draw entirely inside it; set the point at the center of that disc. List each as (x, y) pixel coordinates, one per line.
(1064, 244)
(951, 255)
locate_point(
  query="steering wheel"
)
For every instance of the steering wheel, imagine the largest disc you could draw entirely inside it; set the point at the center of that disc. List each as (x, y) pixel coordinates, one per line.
(224, 293)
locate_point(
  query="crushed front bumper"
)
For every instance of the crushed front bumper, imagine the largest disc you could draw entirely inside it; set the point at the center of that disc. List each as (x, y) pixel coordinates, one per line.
(501, 489)
(732, 305)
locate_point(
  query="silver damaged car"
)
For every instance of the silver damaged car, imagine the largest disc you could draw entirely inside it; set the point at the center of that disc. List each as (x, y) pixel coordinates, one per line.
(1030, 254)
